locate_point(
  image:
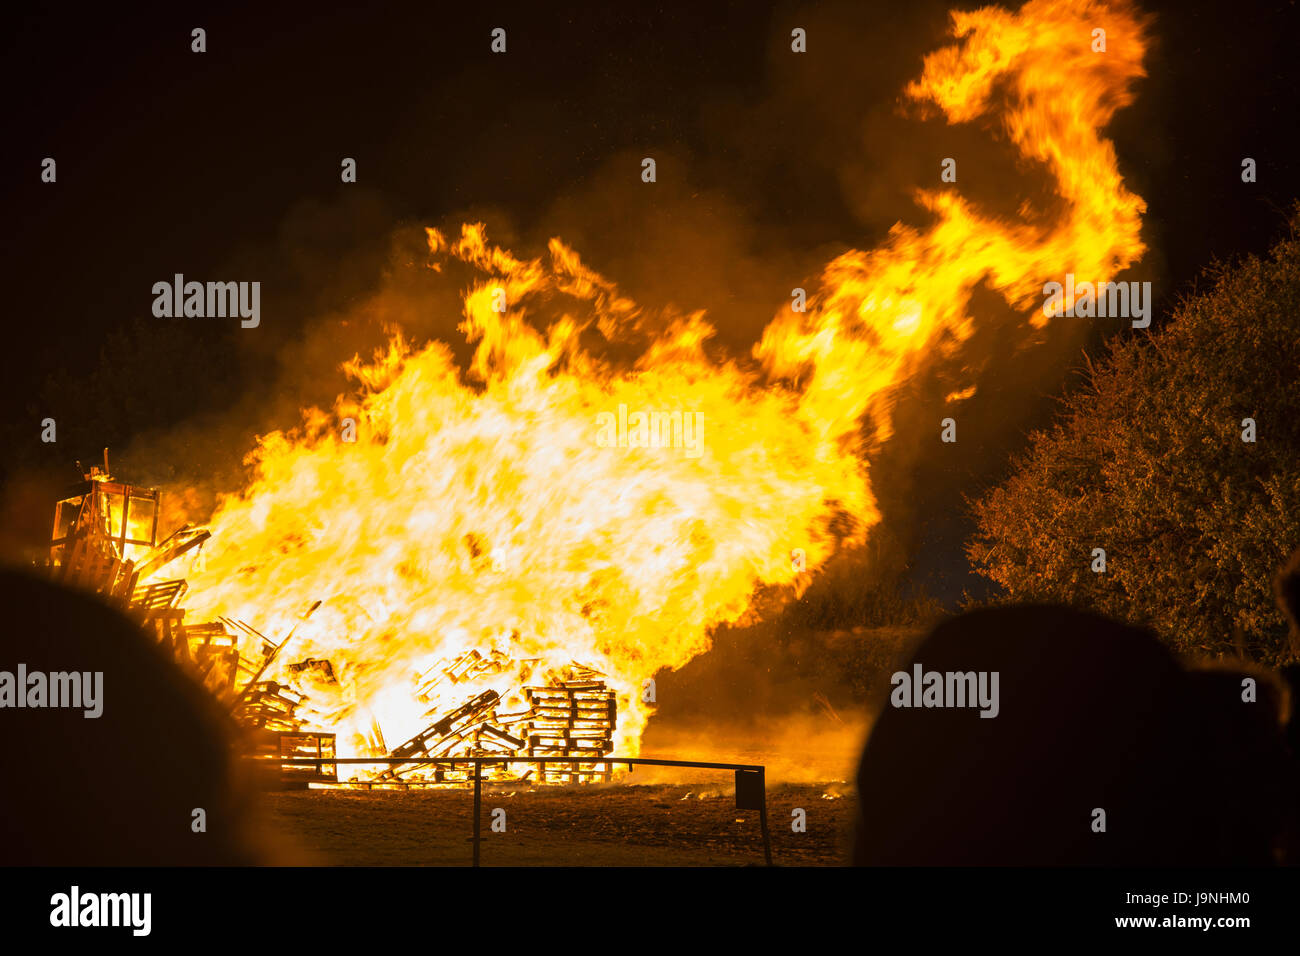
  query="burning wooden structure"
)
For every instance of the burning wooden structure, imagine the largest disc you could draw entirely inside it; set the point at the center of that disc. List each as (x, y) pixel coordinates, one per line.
(105, 541)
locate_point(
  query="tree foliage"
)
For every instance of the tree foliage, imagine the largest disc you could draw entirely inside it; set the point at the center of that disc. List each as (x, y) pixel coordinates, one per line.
(1148, 462)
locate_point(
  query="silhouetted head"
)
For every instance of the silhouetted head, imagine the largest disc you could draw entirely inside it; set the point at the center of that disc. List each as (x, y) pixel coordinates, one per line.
(120, 788)
(1103, 750)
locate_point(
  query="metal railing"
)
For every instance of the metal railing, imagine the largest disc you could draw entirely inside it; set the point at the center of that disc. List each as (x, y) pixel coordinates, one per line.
(751, 785)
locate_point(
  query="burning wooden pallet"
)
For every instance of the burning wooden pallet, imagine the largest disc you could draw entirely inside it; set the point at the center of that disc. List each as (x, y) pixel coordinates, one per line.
(214, 652)
(88, 566)
(270, 705)
(298, 744)
(464, 669)
(575, 719)
(460, 727)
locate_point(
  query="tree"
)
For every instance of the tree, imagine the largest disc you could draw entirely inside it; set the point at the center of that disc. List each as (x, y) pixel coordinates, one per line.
(1149, 463)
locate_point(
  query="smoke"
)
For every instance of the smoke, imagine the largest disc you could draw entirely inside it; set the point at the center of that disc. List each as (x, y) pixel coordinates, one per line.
(793, 747)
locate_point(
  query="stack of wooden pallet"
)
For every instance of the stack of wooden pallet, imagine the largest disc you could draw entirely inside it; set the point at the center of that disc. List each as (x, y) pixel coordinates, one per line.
(575, 719)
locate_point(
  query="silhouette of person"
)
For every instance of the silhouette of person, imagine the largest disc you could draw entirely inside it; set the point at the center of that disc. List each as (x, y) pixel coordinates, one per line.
(1104, 751)
(122, 788)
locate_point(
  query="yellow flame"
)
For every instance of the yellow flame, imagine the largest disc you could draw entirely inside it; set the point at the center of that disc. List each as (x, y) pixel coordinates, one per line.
(500, 510)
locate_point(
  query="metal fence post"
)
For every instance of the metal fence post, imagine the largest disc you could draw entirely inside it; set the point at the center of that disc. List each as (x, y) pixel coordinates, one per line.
(762, 817)
(478, 807)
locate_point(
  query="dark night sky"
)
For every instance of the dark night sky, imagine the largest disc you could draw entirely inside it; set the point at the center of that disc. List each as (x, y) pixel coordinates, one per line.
(226, 165)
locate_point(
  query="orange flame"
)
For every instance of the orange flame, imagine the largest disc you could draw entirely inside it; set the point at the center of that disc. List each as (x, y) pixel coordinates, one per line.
(489, 510)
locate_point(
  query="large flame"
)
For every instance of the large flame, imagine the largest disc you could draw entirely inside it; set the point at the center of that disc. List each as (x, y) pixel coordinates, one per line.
(484, 510)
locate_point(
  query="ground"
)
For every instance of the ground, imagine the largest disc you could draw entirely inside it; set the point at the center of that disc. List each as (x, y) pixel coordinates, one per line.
(602, 825)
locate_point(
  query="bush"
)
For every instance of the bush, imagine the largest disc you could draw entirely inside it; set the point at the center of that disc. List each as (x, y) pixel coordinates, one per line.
(1148, 462)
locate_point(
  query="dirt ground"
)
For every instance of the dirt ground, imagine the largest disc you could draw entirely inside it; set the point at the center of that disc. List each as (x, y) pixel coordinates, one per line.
(595, 825)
